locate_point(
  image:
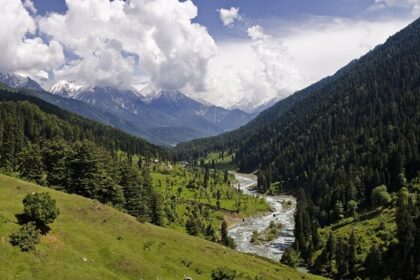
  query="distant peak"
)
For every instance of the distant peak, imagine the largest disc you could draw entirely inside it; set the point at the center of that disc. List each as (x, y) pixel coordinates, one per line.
(67, 88)
(20, 82)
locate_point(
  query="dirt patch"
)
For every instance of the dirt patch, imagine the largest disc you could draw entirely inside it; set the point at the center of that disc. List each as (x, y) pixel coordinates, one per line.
(232, 219)
(54, 242)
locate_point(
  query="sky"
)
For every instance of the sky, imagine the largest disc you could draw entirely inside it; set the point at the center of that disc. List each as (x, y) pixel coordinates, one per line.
(232, 53)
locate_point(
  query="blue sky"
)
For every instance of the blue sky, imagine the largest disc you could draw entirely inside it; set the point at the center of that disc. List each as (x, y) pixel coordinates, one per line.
(232, 53)
(258, 11)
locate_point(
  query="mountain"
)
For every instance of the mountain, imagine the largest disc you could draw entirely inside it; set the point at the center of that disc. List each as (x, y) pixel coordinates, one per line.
(255, 108)
(332, 145)
(16, 81)
(184, 108)
(34, 119)
(161, 116)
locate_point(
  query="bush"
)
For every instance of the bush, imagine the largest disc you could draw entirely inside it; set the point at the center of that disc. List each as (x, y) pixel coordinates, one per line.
(380, 196)
(27, 237)
(223, 273)
(291, 257)
(40, 207)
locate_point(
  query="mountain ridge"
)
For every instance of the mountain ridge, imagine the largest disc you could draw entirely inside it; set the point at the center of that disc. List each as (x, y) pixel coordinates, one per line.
(162, 117)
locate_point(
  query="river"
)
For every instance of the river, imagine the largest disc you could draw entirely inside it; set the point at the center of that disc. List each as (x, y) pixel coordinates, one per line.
(282, 211)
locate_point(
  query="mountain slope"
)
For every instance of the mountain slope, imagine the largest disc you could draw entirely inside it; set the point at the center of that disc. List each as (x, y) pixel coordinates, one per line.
(332, 146)
(161, 116)
(85, 243)
(58, 123)
(19, 82)
(230, 141)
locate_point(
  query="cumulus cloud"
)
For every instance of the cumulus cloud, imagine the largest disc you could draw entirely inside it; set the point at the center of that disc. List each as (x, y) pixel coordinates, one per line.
(267, 72)
(289, 56)
(113, 40)
(28, 4)
(228, 16)
(113, 43)
(19, 51)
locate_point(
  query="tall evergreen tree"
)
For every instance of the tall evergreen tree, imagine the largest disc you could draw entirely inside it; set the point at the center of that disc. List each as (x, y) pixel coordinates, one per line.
(30, 165)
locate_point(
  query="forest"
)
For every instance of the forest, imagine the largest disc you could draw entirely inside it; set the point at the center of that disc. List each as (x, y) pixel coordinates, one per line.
(42, 143)
(51, 147)
(353, 132)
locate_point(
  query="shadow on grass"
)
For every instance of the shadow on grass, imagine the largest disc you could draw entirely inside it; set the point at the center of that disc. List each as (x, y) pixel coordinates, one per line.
(24, 219)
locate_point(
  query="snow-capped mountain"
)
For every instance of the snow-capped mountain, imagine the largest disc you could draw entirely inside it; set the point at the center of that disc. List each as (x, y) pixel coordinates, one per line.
(162, 116)
(67, 89)
(255, 108)
(19, 82)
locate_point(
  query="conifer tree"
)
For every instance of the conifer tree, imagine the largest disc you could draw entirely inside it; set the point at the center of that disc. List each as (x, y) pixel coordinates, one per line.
(30, 165)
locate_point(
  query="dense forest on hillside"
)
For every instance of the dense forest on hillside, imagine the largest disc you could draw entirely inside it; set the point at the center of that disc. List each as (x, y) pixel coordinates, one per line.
(228, 142)
(356, 131)
(42, 143)
(64, 125)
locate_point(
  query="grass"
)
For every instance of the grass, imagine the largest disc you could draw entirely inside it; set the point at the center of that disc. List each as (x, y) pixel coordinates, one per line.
(225, 162)
(93, 241)
(173, 181)
(376, 227)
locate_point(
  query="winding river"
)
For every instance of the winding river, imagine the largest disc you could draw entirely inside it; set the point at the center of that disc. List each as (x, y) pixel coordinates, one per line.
(282, 211)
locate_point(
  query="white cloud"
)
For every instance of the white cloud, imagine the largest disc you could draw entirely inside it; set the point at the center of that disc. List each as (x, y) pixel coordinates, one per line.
(28, 4)
(292, 57)
(228, 16)
(321, 48)
(115, 39)
(413, 5)
(112, 43)
(19, 52)
(251, 72)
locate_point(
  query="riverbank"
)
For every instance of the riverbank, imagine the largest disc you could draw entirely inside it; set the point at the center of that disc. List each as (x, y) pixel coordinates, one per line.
(282, 212)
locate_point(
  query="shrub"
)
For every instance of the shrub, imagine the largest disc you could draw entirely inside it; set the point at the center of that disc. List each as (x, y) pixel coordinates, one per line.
(223, 273)
(27, 237)
(380, 196)
(291, 257)
(40, 207)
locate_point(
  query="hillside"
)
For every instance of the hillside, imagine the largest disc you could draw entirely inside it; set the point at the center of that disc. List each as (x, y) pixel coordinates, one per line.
(230, 141)
(93, 241)
(351, 133)
(60, 123)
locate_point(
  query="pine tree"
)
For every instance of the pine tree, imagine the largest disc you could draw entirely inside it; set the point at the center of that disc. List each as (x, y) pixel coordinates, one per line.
(218, 198)
(225, 239)
(30, 163)
(352, 251)
(156, 209)
(54, 155)
(206, 176)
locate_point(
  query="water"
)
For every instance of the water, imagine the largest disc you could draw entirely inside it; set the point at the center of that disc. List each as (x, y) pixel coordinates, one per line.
(281, 212)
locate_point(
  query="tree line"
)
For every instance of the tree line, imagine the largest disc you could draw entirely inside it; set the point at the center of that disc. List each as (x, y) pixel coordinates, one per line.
(42, 143)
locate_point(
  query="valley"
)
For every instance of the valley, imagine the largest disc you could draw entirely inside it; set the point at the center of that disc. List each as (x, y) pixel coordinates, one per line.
(282, 208)
(90, 240)
(196, 140)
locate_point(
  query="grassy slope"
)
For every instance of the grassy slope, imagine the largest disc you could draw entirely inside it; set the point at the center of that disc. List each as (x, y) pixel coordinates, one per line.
(93, 241)
(376, 227)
